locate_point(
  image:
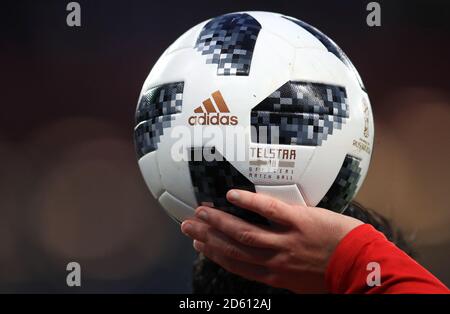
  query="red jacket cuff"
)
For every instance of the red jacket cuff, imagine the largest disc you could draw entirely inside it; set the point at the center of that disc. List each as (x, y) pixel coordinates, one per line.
(345, 255)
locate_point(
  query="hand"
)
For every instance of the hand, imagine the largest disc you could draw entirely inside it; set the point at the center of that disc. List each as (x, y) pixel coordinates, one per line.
(292, 253)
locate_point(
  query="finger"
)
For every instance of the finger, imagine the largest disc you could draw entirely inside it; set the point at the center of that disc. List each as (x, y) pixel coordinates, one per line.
(243, 269)
(223, 245)
(269, 207)
(195, 228)
(238, 229)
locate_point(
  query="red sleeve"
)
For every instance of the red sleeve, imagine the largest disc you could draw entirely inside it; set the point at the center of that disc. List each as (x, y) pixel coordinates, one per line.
(348, 272)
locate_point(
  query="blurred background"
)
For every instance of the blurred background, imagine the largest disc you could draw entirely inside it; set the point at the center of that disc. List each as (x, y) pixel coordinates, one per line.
(70, 187)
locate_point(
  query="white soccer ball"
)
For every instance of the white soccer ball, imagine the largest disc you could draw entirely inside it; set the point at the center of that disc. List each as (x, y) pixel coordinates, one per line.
(257, 101)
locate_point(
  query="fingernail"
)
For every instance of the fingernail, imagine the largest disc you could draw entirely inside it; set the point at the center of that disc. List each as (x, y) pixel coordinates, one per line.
(186, 228)
(198, 246)
(233, 195)
(202, 215)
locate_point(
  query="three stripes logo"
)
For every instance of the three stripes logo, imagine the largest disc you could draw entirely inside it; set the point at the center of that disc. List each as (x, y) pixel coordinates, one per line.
(208, 114)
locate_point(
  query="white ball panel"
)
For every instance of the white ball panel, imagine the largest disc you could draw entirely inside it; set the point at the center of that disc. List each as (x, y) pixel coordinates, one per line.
(281, 27)
(175, 175)
(314, 66)
(324, 67)
(289, 194)
(175, 208)
(150, 171)
(174, 68)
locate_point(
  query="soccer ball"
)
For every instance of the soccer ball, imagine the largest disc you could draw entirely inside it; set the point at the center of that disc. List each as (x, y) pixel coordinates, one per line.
(257, 101)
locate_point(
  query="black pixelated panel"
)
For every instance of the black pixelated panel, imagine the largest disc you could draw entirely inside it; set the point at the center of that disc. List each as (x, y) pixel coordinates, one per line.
(148, 133)
(344, 186)
(213, 179)
(303, 113)
(330, 45)
(154, 113)
(229, 41)
(160, 101)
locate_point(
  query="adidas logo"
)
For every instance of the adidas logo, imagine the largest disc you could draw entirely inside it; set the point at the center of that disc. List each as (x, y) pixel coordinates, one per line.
(208, 114)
